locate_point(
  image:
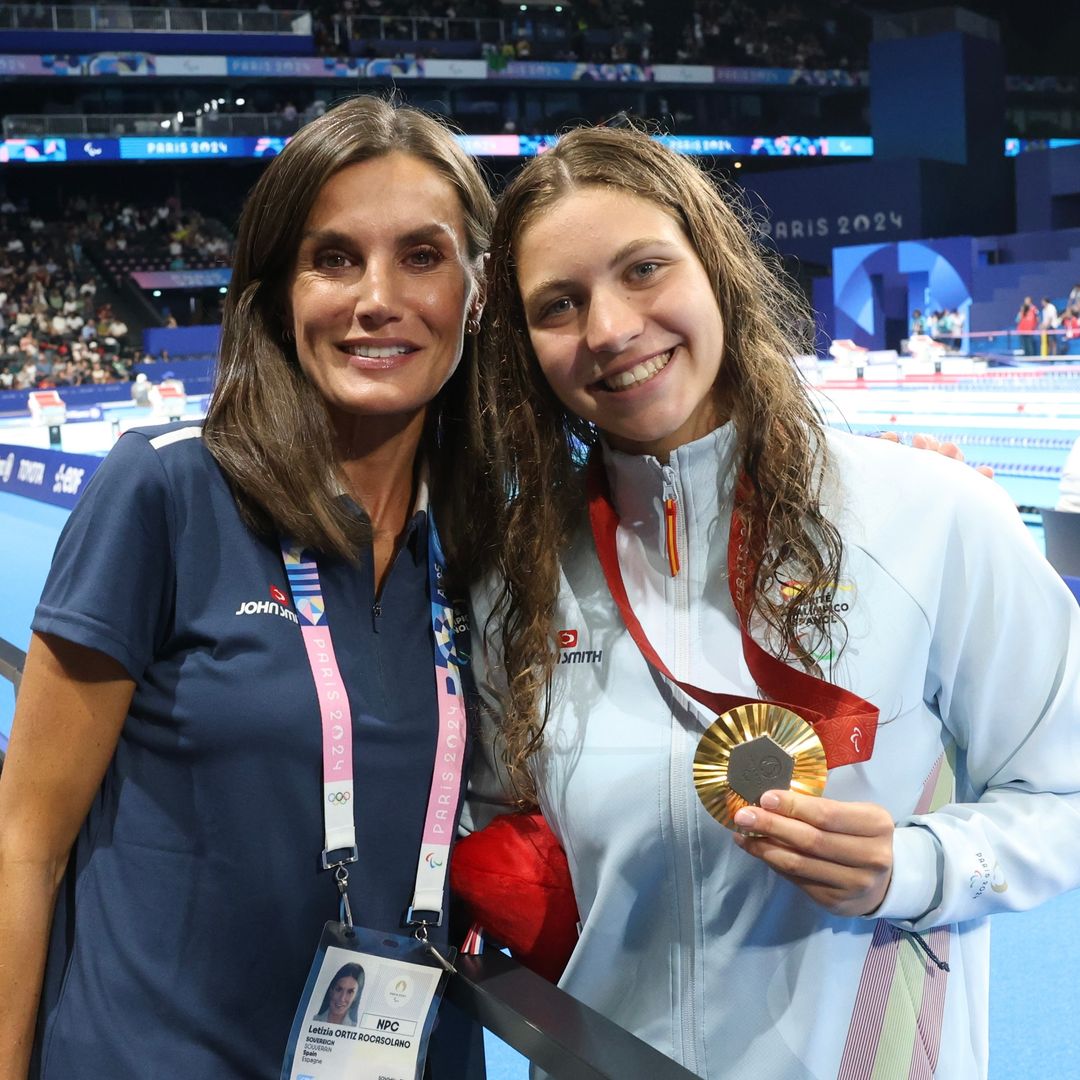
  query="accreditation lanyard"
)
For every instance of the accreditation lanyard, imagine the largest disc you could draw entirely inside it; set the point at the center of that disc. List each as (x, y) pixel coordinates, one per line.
(844, 722)
(337, 789)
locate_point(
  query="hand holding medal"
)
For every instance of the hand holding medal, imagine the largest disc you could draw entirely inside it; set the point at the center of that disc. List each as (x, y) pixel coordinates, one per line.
(751, 749)
(840, 854)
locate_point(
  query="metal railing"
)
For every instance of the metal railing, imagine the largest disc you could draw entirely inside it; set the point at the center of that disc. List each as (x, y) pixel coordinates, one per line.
(117, 125)
(159, 19)
(1039, 345)
(12, 662)
(549, 1027)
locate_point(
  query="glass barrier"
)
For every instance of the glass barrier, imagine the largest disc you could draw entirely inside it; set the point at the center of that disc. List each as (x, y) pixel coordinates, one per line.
(161, 19)
(118, 125)
(420, 28)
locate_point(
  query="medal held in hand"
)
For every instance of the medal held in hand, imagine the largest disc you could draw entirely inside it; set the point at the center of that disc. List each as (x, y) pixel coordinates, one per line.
(752, 746)
(752, 749)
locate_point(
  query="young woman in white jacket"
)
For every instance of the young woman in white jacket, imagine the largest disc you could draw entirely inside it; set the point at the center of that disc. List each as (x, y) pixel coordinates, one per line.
(844, 935)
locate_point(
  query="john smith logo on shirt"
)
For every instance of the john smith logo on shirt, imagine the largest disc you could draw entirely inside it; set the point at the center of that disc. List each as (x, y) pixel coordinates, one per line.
(279, 606)
(569, 653)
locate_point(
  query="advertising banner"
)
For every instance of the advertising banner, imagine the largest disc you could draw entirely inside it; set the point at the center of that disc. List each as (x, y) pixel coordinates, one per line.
(565, 71)
(681, 73)
(79, 64)
(808, 212)
(214, 67)
(751, 76)
(193, 148)
(50, 476)
(182, 279)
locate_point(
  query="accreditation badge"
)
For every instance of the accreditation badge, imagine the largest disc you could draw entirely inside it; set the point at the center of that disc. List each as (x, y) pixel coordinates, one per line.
(368, 1008)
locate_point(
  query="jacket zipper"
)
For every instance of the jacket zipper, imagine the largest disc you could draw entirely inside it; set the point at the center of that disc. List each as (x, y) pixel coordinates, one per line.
(671, 520)
(678, 780)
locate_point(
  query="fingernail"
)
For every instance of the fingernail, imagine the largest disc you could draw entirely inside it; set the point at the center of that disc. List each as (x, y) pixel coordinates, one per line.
(745, 816)
(770, 800)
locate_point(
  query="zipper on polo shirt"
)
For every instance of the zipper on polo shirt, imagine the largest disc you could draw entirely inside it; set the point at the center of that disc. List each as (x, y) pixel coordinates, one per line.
(376, 615)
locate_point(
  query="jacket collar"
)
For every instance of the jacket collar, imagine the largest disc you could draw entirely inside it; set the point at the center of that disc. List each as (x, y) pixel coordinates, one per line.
(702, 469)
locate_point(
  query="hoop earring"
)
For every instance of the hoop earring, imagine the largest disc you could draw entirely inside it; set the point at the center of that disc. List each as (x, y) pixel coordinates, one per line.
(472, 326)
(287, 335)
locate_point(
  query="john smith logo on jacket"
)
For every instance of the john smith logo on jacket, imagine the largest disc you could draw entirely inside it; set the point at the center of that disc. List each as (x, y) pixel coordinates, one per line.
(569, 653)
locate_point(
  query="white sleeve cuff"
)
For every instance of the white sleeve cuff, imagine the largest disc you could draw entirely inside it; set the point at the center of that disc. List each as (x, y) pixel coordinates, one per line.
(918, 869)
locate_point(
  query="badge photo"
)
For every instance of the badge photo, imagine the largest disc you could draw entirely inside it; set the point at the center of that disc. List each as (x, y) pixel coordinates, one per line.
(368, 1008)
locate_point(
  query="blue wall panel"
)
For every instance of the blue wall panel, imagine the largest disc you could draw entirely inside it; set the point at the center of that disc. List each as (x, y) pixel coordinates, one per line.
(182, 341)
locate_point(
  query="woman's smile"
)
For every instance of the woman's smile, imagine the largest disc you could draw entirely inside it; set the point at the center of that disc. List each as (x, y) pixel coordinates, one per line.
(371, 356)
(643, 372)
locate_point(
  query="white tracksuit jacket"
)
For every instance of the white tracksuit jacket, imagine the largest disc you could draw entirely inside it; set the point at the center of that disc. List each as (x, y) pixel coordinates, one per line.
(967, 641)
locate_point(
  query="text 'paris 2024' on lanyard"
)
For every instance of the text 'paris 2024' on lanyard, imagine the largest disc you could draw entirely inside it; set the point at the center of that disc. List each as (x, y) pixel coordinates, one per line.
(371, 997)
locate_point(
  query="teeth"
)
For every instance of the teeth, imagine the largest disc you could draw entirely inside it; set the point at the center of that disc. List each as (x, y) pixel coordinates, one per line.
(369, 352)
(642, 373)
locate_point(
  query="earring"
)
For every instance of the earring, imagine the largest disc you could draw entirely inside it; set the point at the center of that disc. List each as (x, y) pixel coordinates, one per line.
(287, 335)
(472, 326)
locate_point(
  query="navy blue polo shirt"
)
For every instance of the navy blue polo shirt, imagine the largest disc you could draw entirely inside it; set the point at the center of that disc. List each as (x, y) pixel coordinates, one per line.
(194, 901)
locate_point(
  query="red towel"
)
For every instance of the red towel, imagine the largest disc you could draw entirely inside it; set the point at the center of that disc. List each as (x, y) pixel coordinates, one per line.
(515, 882)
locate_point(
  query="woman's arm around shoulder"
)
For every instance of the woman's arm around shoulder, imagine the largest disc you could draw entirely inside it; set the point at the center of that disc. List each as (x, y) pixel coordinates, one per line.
(70, 711)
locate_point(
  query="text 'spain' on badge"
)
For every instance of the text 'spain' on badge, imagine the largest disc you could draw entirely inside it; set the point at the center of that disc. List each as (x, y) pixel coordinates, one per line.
(752, 749)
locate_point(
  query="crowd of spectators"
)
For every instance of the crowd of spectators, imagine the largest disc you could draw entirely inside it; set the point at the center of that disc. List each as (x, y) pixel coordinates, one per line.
(945, 325)
(830, 34)
(823, 34)
(592, 31)
(1050, 326)
(335, 23)
(56, 327)
(737, 33)
(127, 236)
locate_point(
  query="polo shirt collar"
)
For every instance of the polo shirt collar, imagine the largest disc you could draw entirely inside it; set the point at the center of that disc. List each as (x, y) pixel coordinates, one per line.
(415, 533)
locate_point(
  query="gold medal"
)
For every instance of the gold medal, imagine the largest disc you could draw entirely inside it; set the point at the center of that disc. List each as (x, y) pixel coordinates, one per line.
(753, 749)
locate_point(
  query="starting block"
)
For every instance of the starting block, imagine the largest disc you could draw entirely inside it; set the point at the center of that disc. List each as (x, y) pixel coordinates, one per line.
(168, 398)
(47, 408)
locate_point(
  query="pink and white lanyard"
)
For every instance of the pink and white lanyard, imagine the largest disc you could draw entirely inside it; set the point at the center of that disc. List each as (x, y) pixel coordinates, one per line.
(445, 795)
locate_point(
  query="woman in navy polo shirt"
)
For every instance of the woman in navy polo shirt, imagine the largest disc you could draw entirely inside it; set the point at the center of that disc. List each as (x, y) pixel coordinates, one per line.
(161, 811)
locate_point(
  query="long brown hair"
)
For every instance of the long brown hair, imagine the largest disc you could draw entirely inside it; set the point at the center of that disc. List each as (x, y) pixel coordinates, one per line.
(267, 425)
(530, 436)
